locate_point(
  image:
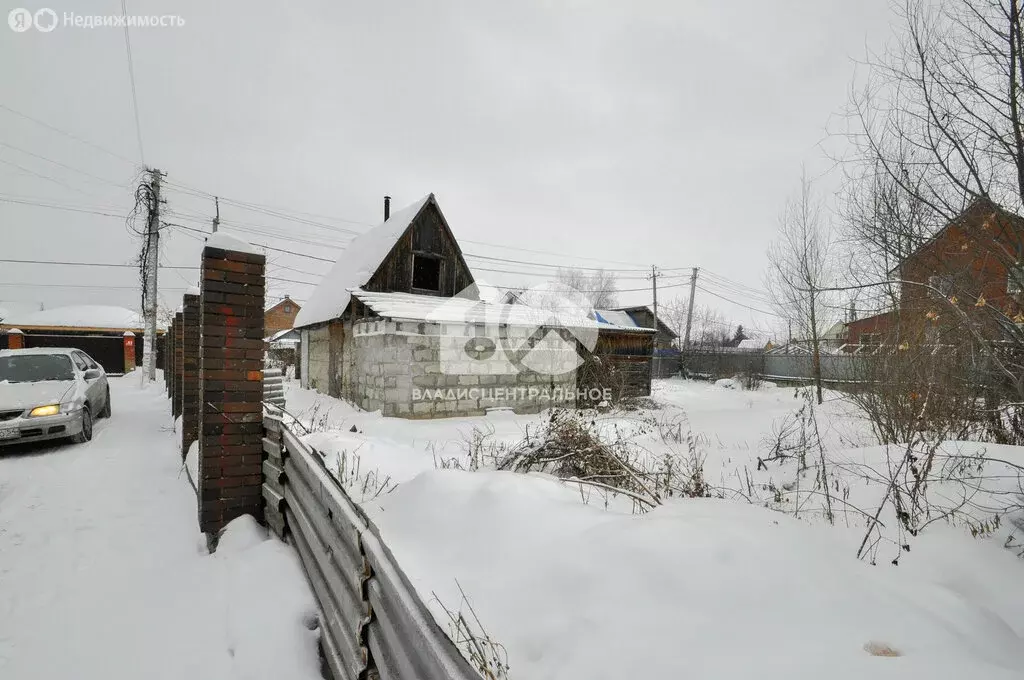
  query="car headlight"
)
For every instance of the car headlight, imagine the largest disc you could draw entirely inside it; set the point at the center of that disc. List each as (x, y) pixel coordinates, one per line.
(51, 410)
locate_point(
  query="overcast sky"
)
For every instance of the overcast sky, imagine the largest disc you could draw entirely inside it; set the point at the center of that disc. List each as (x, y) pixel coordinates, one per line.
(616, 133)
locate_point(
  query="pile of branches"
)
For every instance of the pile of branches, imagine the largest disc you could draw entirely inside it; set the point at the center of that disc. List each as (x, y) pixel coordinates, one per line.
(569, 447)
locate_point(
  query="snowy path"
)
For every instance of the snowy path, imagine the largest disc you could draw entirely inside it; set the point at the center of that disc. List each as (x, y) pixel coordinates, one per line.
(104, 574)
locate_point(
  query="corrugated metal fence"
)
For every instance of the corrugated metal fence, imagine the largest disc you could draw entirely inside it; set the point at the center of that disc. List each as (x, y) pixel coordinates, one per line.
(834, 367)
(374, 623)
(273, 387)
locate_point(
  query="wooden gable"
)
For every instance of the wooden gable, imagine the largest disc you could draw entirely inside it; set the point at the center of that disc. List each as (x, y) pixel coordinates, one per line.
(425, 260)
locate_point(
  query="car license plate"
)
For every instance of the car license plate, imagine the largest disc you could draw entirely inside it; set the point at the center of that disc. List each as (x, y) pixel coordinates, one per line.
(9, 433)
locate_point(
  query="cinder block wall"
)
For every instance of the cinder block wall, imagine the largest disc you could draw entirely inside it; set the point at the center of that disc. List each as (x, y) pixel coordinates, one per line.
(317, 373)
(388, 363)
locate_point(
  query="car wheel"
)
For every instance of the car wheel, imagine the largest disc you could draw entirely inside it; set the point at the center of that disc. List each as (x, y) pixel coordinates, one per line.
(105, 413)
(86, 433)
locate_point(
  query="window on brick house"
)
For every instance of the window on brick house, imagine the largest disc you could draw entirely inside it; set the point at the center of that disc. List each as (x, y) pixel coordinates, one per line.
(287, 309)
(1015, 279)
(426, 272)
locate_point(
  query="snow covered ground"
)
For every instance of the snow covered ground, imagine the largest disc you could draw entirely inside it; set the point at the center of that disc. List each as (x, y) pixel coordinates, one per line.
(573, 584)
(105, 576)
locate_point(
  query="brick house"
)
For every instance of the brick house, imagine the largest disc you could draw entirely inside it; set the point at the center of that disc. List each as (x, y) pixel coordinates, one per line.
(975, 261)
(281, 317)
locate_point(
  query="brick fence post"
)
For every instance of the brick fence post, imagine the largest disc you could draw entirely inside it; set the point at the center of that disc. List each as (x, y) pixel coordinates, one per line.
(129, 352)
(176, 378)
(231, 384)
(168, 348)
(189, 372)
(15, 339)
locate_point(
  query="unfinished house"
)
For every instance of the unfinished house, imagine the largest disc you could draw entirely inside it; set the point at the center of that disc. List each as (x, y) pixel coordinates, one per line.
(397, 326)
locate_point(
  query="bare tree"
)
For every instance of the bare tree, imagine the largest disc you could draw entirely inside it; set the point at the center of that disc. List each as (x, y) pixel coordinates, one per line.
(800, 266)
(937, 128)
(598, 286)
(940, 115)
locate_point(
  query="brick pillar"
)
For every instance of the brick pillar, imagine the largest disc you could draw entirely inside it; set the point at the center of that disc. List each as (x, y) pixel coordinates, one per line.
(15, 339)
(129, 351)
(189, 407)
(176, 378)
(168, 357)
(231, 385)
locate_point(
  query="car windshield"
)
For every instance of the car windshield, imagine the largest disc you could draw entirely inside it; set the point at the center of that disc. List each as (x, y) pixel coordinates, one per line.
(36, 368)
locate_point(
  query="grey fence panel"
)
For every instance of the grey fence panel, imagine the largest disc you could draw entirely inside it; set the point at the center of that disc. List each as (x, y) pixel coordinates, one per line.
(273, 386)
(333, 557)
(835, 368)
(348, 661)
(375, 624)
(405, 631)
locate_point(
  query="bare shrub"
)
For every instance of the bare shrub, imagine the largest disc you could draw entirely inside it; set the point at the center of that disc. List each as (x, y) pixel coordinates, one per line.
(570, 446)
(749, 380)
(477, 646)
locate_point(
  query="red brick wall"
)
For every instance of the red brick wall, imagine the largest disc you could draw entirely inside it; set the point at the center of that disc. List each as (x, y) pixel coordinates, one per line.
(878, 325)
(973, 252)
(280, 317)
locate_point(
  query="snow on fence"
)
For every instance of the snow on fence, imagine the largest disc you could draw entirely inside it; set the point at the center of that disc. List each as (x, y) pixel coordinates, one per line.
(374, 623)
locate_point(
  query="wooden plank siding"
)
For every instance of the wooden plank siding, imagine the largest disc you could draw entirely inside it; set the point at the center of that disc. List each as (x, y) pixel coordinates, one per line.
(427, 235)
(621, 362)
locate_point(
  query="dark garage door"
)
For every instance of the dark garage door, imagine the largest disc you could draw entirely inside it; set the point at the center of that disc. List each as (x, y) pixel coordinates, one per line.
(107, 350)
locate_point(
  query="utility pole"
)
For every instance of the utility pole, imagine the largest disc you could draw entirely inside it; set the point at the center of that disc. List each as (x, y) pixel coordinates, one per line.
(689, 312)
(216, 219)
(151, 257)
(654, 283)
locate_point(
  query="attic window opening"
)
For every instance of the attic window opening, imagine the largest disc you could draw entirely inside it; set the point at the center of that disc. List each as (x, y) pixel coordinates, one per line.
(287, 309)
(426, 272)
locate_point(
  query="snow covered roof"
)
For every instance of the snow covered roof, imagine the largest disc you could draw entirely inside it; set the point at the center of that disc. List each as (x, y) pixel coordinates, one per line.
(616, 317)
(356, 265)
(752, 344)
(411, 307)
(80, 316)
(289, 336)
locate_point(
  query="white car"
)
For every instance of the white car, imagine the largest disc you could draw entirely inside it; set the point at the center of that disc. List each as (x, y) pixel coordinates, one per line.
(50, 393)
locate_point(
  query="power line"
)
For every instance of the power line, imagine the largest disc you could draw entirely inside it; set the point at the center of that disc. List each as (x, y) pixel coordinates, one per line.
(40, 175)
(260, 245)
(62, 165)
(59, 207)
(131, 78)
(119, 265)
(753, 309)
(66, 134)
(283, 213)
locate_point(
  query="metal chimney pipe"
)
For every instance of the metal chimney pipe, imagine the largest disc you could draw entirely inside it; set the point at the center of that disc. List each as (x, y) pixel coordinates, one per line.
(387, 208)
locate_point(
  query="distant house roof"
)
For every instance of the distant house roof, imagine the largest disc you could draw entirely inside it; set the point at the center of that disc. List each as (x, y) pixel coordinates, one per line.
(82, 316)
(752, 344)
(412, 307)
(979, 206)
(286, 301)
(357, 263)
(289, 336)
(644, 308)
(616, 317)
